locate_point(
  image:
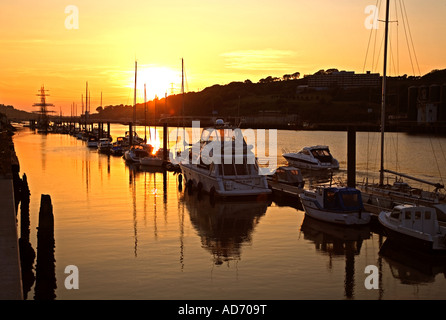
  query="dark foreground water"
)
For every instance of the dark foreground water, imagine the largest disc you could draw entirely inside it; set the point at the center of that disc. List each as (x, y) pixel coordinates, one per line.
(133, 234)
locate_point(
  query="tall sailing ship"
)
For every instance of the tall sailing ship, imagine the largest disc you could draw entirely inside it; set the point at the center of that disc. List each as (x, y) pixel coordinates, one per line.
(43, 121)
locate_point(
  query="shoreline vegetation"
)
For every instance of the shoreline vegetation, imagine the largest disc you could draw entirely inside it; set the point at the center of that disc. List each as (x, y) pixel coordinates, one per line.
(287, 102)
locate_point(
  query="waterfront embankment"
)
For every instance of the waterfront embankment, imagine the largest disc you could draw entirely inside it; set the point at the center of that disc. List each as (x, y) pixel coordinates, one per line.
(10, 271)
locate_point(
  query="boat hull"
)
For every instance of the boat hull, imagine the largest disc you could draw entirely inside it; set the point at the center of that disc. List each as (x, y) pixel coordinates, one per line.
(309, 165)
(339, 217)
(223, 187)
(414, 240)
(152, 162)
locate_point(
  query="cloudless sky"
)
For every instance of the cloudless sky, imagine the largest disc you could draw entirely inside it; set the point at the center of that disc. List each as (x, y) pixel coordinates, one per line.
(220, 41)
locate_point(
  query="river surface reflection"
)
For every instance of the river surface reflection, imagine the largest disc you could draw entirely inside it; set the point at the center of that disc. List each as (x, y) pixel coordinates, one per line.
(135, 233)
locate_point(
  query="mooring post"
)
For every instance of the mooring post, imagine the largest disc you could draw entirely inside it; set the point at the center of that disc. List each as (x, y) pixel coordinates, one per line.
(351, 157)
(165, 135)
(45, 268)
(130, 133)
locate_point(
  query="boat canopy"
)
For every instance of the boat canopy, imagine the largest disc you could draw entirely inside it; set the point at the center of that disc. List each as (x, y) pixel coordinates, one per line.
(345, 199)
(290, 174)
(322, 154)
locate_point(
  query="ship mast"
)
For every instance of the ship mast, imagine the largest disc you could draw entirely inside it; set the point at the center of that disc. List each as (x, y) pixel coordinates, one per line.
(383, 97)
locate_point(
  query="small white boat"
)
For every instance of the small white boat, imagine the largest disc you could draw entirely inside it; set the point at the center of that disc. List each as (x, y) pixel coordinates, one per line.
(341, 205)
(416, 226)
(312, 158)
(152, 159)
(104, 145)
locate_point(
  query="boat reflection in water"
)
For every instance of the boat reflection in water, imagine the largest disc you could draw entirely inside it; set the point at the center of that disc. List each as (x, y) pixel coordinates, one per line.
(224, 227)
(412, 266)
(337, 240)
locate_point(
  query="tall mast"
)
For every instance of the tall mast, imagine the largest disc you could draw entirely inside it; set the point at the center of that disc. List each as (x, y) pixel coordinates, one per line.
(134, 96)
(182, 85)
(86, 104)
(145, 114)
(383, 97)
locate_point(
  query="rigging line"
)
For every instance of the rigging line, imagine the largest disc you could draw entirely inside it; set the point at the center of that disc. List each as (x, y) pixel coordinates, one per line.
(407, 42)
(441, 148)
(374, 43)
(411, 39)
(397, 38)
(370, 37)
(379, 53)
(436, 161)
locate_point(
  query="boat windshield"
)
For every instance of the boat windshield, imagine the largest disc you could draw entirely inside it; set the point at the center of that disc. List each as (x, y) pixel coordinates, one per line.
(292, 175)
(322, 155)
(343, 199)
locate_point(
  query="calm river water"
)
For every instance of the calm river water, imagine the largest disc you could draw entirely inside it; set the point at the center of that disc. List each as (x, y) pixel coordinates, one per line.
(134, 234)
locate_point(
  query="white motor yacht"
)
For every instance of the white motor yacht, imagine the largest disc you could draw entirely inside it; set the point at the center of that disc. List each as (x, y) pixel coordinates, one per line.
(223, 165)
(313, 158)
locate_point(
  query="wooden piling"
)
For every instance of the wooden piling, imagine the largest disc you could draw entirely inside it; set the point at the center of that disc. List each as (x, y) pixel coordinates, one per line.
(45, 266)
(351, 157)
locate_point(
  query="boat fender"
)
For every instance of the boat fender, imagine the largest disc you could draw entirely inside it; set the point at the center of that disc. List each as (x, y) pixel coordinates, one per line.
(180, 178)
(199, 186)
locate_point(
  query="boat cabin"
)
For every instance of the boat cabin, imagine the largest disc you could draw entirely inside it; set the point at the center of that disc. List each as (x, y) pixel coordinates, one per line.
(288, 175)
(343, 199)
(423, 219)
(321, 153)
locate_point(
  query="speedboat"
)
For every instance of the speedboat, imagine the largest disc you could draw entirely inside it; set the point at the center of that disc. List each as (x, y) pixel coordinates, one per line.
(223, 165)
(417, 226)
(341, 205)
(313, 158)
(136, 153)
(104, 145)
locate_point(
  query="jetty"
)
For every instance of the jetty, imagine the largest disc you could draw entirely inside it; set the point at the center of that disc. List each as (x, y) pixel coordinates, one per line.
(10, 270)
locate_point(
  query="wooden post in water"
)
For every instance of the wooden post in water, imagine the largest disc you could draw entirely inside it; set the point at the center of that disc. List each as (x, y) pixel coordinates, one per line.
(130, 134)
(351, 157)
(45, 268)
(108, 129)
(165, 135)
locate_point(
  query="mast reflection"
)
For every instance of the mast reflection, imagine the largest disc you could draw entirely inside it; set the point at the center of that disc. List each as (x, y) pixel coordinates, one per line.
(136, 172)
(337, 240)
(224, 227)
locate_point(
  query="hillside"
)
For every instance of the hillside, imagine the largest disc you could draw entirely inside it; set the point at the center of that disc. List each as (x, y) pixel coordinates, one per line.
(286, 97)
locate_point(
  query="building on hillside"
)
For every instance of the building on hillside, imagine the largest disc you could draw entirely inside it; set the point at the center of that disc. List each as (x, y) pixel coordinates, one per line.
(344, 79)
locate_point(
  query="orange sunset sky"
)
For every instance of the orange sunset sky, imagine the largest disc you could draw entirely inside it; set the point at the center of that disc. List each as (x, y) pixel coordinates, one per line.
(220, 41)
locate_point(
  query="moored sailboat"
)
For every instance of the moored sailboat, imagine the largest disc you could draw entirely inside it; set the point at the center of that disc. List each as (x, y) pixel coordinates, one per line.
(382, 195)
